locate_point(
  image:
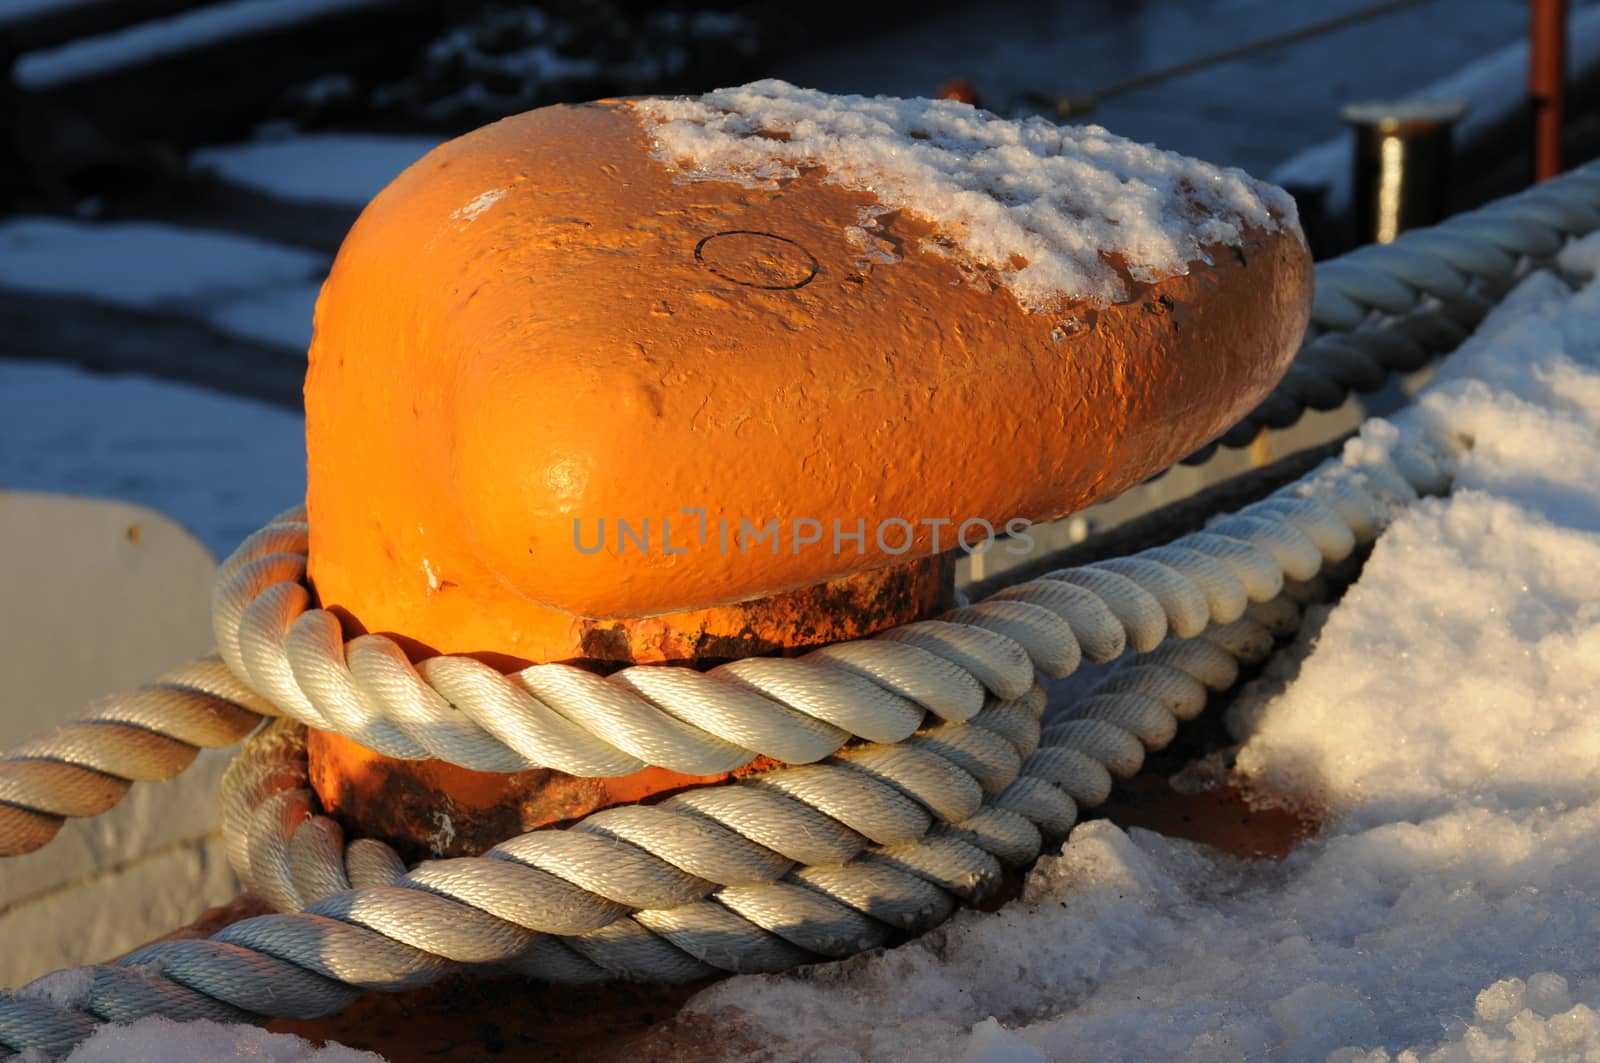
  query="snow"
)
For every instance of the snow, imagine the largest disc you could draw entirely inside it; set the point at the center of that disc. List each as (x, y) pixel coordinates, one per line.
(535, 62)
(242, 285)
(1494, 88)
(1444, 716)
(157, 39)
(340, 168)
(158, 1040)
(1034, 206)
(221, 466)
(245, 286)
(273, 315)
(1516, 1020)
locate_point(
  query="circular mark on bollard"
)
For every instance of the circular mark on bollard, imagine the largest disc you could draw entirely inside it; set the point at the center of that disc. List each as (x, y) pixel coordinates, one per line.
(757, 260)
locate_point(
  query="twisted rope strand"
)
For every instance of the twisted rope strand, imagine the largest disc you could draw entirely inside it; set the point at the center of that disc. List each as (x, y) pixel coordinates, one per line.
(85, 767)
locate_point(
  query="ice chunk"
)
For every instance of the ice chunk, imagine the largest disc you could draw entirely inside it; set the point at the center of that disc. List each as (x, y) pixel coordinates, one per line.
(991, 1042)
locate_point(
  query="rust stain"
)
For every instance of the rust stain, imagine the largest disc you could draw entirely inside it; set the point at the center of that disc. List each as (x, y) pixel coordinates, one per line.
(789, 622)
(1221, 817)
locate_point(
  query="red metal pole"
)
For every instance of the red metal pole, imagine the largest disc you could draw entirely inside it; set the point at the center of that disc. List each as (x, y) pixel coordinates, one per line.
(1547, 73)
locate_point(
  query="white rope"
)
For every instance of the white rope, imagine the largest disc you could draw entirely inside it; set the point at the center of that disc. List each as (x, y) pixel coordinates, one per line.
(84, 767)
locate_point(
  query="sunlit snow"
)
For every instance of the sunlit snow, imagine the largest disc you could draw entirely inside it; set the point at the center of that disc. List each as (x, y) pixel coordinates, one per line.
(1040, 206)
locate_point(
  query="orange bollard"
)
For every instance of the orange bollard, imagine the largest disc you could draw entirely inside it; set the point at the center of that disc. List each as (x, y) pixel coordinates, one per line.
(566, 406)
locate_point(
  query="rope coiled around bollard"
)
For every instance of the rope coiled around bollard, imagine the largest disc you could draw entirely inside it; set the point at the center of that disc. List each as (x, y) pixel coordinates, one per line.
(786, 867)
(793, 710)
